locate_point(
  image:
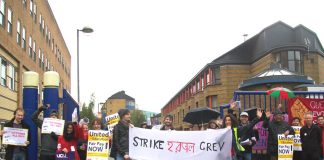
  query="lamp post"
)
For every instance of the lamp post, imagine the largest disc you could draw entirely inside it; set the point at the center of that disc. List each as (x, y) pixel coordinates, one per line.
(84, 30)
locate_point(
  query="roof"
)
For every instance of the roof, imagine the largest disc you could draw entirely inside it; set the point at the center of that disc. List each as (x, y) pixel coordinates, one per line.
(276, 74)
(121, 95)
(275, 36)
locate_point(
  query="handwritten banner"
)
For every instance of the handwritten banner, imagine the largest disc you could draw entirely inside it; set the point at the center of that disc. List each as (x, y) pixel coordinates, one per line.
(297, 107)
(98, 145)
(14, 136)
(53, 125)
(285, 147)
(297, 142)
(112, 120)
(160, 145)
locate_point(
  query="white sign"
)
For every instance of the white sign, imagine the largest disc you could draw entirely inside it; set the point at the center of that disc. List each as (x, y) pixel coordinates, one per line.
(98, 145)
(297, 142)
(285, 147)
(112, 120)
(148, 144)
(14, 136)
(53, 125)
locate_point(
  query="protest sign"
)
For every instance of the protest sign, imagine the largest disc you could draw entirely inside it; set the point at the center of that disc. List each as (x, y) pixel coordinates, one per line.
(297, 107)
(98, 145)
(285, 147)
(53, 125)
(261, 144)
(14, 136)
(297, 142)
(65, 156)
(148, 144)
(112, 120)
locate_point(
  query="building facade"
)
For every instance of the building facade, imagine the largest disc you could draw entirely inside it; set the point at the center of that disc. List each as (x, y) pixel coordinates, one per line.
(30, 40)
(297, 50)
(118, 101)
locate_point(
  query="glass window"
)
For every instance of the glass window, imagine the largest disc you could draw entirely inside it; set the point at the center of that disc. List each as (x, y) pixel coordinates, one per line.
(31, 5)
(35, 13)
(216, 75)
(291, 60)
(11, 77)
(23, 42)
(297, 55)
(291, 55)
(40, 58)
(30, 50)
(9, 29)
(24, 3)
(3, 70)
(2, 12)
(34, 51)
(40, 22)
(18, 33)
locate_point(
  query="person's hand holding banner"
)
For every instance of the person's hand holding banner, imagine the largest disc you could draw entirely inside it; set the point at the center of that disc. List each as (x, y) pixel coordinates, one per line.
(53, 125)
(15, 136)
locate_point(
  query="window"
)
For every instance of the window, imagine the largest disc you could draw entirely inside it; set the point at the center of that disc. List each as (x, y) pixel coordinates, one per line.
(216, 75)
(35, 13)
(30, 50)
(43, 25)
(40, 58)
(23, 42)
(46, 34)
(31, 5)
(291, 60)
(52, 45)
(9, 29)
(2, 12)
(40, 22)
(34, 51)
(3, 70)
(43, 60)
(18, 33)
(49, 37)
(198, 85)
(11, 77)
(24, 3)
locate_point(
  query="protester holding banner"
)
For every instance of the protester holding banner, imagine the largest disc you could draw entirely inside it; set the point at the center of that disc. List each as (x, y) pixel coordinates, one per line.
(296, 126)
(68, 141)
(120, 148)
(320, 123)
(48, 141)
(231, 122)
(14, 152)
(167, 123)
(275, 127)
(311, 138)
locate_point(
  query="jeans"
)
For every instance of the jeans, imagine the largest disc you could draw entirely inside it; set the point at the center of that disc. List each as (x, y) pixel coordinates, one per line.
(19, 156)
(119, 157)
(246, 156)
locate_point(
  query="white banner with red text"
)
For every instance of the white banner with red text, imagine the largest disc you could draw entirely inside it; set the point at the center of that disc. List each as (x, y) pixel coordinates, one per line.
(145, 144)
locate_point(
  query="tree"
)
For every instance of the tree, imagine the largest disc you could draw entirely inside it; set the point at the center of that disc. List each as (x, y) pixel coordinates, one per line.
(137, 117)
(87, 110)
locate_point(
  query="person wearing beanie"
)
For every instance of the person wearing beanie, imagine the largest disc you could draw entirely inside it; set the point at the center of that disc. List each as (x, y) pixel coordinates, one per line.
(48, 141)
(275, 127)
(120, 149)
(167, 123)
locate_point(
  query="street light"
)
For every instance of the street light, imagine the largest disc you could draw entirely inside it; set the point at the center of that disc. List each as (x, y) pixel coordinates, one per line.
(84, 30)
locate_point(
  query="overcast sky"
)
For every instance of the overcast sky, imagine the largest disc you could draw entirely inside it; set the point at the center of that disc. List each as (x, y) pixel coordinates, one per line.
(152, 48)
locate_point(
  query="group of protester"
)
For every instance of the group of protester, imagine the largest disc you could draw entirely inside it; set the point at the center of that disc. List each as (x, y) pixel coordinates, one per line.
(75, 135)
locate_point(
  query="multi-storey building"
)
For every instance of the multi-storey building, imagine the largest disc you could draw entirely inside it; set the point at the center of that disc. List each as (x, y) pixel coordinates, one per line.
(296, 49)
(30, 40)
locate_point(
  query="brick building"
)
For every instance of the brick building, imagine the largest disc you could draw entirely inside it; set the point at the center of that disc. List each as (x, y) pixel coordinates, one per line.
(297, 50)
(30, 40)
(118, 101)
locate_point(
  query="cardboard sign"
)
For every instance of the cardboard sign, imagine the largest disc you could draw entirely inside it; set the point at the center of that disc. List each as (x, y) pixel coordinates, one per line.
(53, 125)
(285, 147)
(14, 136)
(98, 145)
(297, 142)
(112, 120)
(174, 145)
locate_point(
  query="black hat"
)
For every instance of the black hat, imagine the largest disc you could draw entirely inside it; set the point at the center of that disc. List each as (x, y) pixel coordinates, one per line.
(53, 111)
(123, 112)
(277, 111)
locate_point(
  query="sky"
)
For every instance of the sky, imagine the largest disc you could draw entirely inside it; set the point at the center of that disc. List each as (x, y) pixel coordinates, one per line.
(152, 48)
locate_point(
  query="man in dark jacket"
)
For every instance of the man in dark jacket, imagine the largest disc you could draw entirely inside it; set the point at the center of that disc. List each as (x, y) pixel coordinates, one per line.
(311, 138)
(275, 127)
(246, 135)
(120, 149)
(17, 152)
(49, 141)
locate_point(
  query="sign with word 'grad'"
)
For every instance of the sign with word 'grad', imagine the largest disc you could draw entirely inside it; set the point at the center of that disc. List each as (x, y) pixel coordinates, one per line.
(147, 144)
(98, 145)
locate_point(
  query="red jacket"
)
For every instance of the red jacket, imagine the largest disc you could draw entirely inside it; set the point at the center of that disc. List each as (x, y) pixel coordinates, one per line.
(322, 127)
(62, 143)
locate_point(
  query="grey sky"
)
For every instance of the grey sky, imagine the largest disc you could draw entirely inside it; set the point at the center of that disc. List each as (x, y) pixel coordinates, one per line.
(151, 48)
